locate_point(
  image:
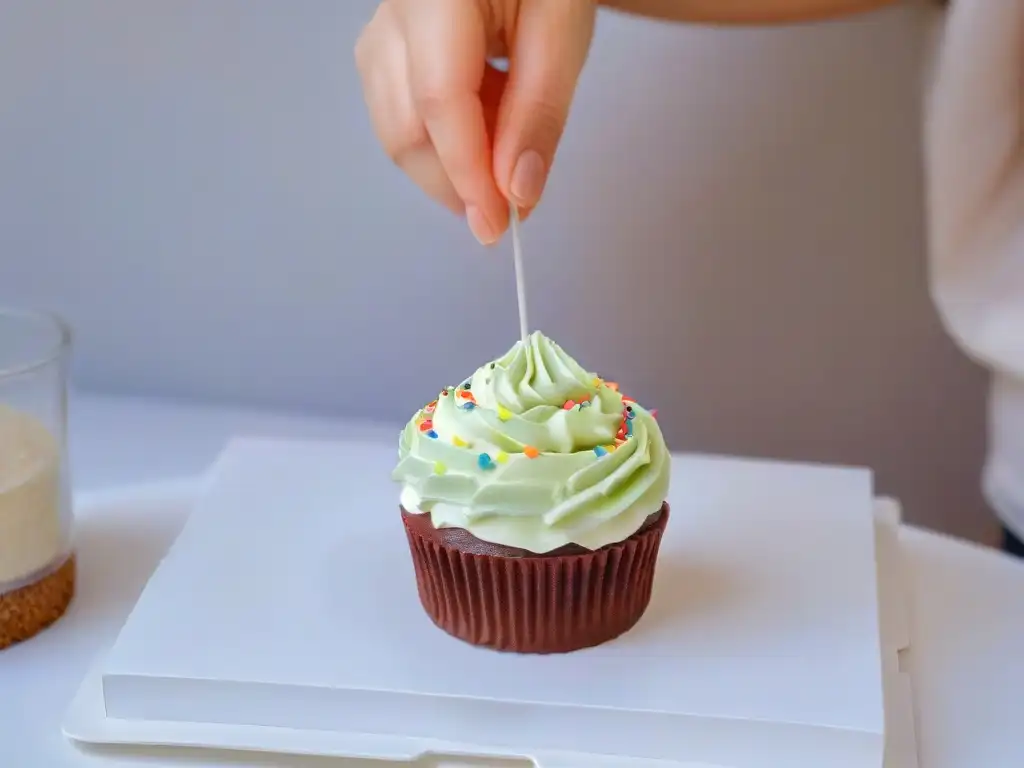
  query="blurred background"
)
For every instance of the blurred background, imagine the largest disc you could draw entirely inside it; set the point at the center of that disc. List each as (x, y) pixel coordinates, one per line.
(734, 231)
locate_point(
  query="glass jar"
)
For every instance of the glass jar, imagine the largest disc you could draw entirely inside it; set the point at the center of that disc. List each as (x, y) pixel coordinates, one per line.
(37, 568)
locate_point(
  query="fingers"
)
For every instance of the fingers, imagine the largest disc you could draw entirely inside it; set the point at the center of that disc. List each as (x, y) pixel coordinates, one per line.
(382, 63)
(447, 49)
(550, 48)
(424, 167)
(435, 104)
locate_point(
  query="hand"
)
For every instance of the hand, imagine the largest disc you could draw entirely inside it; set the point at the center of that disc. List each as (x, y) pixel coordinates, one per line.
(471, 137)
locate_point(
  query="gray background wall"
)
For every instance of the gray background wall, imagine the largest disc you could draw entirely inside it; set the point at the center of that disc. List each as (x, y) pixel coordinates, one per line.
(734, 230)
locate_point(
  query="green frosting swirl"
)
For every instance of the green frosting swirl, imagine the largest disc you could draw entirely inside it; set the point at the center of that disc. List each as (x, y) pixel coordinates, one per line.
(530, 452)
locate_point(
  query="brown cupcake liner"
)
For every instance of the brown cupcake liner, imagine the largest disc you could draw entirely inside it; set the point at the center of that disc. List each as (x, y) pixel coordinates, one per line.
(537, 604)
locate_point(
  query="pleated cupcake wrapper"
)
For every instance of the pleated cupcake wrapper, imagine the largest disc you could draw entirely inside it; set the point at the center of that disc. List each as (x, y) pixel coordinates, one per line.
(537, 604)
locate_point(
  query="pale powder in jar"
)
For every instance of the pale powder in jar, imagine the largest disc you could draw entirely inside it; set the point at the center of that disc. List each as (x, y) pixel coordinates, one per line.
(32, 535)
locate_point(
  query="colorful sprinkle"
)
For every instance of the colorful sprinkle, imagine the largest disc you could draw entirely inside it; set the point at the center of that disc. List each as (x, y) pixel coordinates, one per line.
(459, 442)
(628, 399)
(484, 461)
(426, 425)
(468, 406)
(530, 452)
(430, 407)
(597, 382)
(610, 448)
(504, 413)
(612, 386)
(568, 405)
(432, 435)
(467, 385)
(626, 428)
(439, 468)
(654, 414)
(600, 451)
(501, 458)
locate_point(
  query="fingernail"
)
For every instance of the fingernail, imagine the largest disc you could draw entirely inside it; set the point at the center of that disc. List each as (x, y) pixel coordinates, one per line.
(528, 178)
(480, 226)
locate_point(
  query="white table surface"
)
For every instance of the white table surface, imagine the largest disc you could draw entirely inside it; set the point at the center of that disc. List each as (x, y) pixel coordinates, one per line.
(967, 659)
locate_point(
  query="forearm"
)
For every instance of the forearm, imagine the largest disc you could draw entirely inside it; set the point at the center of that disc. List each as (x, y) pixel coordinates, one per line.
(745, 11)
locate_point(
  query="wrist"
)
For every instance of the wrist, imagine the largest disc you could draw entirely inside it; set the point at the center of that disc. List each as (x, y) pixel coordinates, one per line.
(745, 11)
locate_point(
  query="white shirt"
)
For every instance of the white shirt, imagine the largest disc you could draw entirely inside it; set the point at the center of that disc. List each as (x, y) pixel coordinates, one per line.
(974, 143)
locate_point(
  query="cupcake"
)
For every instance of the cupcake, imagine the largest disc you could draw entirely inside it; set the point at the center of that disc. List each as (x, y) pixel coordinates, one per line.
(533, 499)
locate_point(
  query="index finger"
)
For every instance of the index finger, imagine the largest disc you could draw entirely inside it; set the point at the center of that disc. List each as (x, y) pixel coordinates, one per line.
(447, 55)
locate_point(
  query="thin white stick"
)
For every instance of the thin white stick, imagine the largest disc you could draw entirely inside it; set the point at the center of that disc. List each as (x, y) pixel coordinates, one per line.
(517, 257)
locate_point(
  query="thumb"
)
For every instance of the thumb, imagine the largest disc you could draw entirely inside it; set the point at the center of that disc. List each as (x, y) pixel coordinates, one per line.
(549, 49)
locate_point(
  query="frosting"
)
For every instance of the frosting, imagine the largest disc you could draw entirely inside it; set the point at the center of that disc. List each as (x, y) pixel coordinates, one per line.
(534, 452)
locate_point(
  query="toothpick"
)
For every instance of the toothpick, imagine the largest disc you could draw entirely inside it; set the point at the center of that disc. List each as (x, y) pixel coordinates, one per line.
(517, 257)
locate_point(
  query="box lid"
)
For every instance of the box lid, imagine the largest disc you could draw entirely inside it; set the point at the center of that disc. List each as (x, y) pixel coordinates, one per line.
(289, 601)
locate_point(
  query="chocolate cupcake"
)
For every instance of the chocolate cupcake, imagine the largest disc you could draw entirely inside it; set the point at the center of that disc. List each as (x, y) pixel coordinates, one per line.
(533, 498)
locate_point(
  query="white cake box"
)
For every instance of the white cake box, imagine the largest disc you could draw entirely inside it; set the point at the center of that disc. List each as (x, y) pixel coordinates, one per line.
(286, 618)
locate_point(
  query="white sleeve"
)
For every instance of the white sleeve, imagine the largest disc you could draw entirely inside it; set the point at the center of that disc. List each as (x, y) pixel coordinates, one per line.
(974, 152)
